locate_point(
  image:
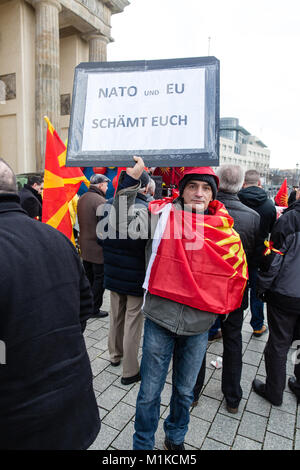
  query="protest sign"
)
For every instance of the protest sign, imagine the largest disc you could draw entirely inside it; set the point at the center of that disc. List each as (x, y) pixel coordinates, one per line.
(166, 111)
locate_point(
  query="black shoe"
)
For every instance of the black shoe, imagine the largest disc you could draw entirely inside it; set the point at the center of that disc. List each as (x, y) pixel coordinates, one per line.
(291, 383)
(115, 364)
(260, 388)
(130, 380)
(100, 314)
(168, 445)
(216, 336)
(232, 409)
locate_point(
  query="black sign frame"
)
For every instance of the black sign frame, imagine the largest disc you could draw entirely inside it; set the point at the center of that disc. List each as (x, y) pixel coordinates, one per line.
(207, 156)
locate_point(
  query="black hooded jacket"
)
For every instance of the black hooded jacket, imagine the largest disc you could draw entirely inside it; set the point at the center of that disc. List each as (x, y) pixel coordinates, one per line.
(47, 400)
(257, 199)
(246, 222)
(124, 259)
(31, 202)
(279, 275)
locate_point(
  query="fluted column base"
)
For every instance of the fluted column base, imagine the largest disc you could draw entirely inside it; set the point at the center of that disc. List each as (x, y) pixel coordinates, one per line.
(97, 47)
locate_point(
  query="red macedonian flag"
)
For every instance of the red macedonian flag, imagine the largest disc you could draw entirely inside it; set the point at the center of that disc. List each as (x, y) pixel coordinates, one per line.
(61, 183)
(281, 198)
(170, 175)
(197, 260)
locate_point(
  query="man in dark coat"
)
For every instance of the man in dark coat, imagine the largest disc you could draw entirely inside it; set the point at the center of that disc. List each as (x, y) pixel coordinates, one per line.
(278, 285)
(31, 197)
(246, 223)
(124, 273)
(255, 197)
(46, 391)
(91, 252)
(292, 196)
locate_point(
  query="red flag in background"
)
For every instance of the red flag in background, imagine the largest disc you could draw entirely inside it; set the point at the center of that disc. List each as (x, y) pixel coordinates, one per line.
(61, 183)
(281, 198)
(115, 181)
(170, 175)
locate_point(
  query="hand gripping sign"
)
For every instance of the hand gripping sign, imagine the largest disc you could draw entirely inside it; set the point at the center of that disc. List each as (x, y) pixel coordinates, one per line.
(166, 111)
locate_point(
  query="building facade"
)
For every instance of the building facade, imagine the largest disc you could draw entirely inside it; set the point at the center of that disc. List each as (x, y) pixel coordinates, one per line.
(239, 147)
(41, 42)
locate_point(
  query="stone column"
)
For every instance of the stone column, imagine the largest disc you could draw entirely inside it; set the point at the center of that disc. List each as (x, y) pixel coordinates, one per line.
(46, 72)
(97, 47)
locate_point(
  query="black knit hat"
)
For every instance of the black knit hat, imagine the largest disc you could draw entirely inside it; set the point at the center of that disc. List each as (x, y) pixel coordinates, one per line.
(207, 178)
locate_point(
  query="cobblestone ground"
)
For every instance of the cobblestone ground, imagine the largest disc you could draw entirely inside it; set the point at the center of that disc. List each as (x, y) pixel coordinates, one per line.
(257, 425)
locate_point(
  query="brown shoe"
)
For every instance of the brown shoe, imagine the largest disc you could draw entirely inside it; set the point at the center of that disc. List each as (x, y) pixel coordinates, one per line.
(232, 410)
(258, 333)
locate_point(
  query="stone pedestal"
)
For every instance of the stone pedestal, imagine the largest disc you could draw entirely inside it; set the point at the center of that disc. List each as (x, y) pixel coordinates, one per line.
(47, 72)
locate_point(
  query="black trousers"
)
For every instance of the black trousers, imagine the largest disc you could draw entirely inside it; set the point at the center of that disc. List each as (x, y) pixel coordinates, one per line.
(95, 275)
(284, 328)
(232, 359)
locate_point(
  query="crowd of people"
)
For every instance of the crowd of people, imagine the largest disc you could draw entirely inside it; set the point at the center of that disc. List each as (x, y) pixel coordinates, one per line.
(182, 268)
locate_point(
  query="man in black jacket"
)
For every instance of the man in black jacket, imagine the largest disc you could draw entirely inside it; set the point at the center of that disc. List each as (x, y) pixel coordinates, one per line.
(278, 285)
(124, 273)
(292, 196)
(255, 197)
(91, 252)
(246, 223)
(31, 197)
(46, 391)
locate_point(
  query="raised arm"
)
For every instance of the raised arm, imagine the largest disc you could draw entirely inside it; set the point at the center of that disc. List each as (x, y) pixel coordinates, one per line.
(137, 170)
(130, 221)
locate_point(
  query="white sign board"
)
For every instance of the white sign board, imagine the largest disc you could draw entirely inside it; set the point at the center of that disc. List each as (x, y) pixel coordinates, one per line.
(157, 108)
(164, 114)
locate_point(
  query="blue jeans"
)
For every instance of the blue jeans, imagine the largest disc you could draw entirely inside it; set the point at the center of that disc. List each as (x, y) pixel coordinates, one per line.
(159, 346)
(256, 306)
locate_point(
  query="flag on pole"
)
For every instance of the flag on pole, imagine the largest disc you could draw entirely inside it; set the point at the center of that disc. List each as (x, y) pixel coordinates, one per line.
(281, 198)
(61, 183)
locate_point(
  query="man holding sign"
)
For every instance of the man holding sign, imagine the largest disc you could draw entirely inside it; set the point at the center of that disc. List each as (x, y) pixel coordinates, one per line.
(196, 270)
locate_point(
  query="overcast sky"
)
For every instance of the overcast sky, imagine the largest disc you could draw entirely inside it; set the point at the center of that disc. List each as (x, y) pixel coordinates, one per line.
(257, 43)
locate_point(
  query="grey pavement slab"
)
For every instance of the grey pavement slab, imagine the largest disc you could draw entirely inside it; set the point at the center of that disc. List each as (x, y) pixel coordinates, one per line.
(253, 426)
(206, 409)
(276, 442)
(257, 426)
(297, 440)
(243, 443)
(210, 444)
(223, 429)
(282, 423)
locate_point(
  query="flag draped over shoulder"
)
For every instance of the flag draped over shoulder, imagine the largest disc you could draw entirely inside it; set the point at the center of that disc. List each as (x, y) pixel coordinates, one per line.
(281, 198)
(61, 184)
(197, 260)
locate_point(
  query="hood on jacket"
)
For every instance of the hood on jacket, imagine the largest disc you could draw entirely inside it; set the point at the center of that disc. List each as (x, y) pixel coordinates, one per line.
(294, 206)
(253, 196)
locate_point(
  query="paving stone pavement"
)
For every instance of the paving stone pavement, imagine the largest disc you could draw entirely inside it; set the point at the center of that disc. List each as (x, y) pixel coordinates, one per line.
(257, 426)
